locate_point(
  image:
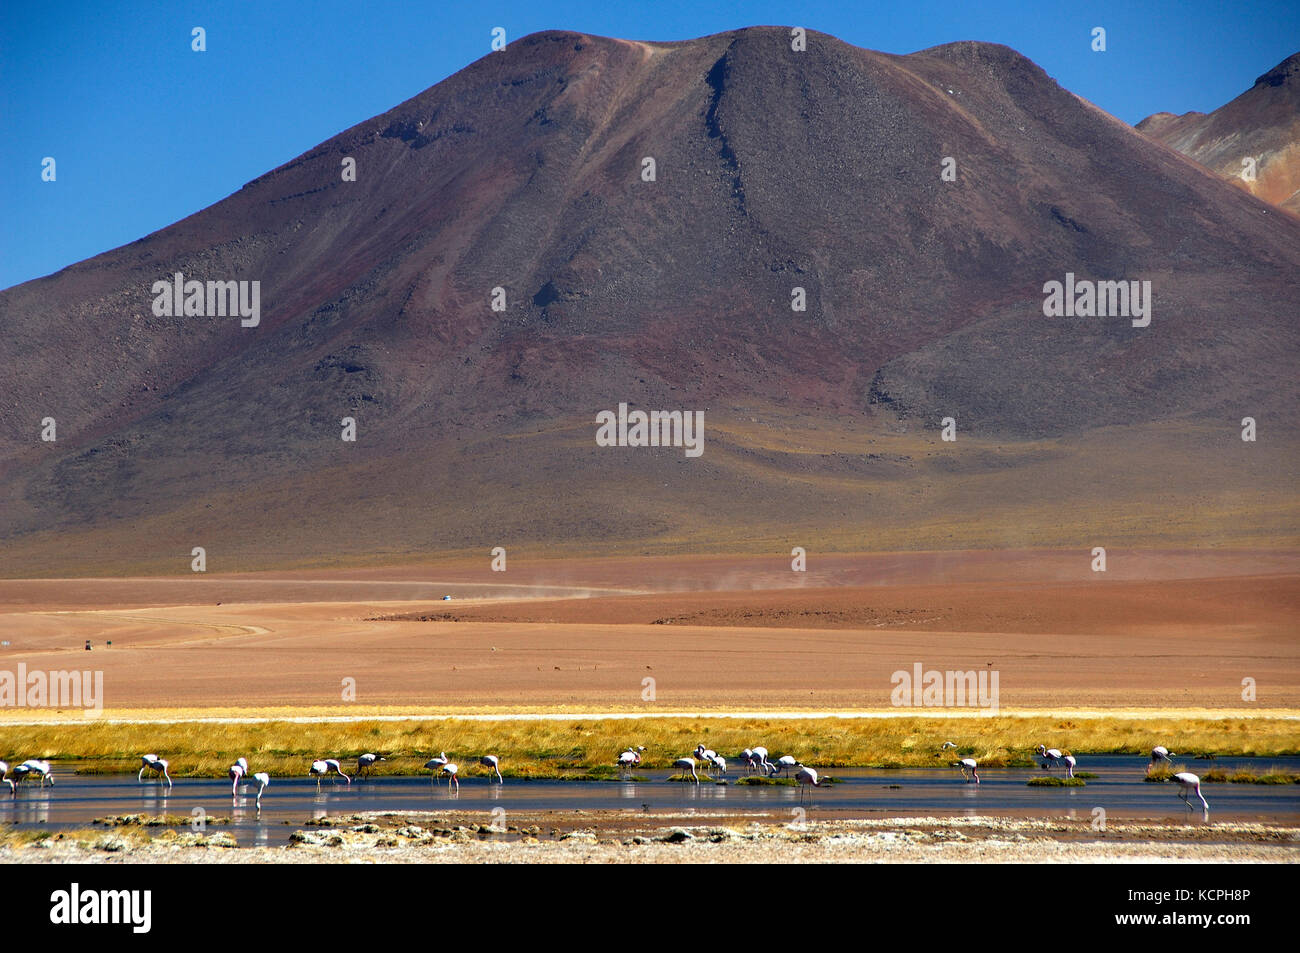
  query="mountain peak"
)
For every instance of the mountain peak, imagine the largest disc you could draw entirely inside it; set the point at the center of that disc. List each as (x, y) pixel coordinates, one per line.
(1284, 74)
(838, 246)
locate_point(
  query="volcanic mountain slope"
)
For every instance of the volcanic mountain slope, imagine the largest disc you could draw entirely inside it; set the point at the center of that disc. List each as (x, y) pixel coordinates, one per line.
(774, 169)
(1263, 124)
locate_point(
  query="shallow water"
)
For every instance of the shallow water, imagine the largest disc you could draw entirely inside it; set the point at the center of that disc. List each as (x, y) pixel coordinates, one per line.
(1119, 788)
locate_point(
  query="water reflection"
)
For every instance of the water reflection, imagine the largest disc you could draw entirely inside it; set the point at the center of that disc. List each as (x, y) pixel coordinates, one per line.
(1119, 788)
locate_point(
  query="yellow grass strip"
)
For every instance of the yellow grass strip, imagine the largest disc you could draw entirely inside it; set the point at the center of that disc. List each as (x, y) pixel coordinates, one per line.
(543, 748)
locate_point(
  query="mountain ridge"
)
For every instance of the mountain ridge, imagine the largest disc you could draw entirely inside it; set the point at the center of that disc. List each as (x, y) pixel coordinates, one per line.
(775, 170)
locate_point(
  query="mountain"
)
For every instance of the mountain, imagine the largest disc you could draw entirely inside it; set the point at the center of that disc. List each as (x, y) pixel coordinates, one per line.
(1262, 124)
(774, 169)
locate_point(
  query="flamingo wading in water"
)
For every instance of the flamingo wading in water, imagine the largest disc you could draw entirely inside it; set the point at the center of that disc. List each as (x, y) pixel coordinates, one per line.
(237, 772)
(807, 778)
(493, 762)
(435, 765)
(151, 762)
(367, 761)
(327, 766)
(783, 763)
(450, 769)
(34, 768)
(629, 759)
(1189, 783)
(758, 757)
(262, 779)
(1051, 756)
(4, 779)
(1160, 753)
(687, 764)
(971, 765)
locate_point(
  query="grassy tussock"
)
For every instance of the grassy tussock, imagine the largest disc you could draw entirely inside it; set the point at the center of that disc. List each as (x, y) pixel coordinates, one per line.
(562, 748)
(1249, 776)
(1056, 782)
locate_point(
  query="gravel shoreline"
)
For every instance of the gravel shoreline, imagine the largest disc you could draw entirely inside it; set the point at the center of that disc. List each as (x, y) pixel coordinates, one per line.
(596, 837)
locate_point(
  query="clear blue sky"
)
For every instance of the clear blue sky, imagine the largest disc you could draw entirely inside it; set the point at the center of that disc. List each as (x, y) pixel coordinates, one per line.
(145, 131)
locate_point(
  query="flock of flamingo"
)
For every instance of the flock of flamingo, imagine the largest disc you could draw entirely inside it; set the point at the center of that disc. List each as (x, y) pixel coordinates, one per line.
(706, 759)
(1187, 782)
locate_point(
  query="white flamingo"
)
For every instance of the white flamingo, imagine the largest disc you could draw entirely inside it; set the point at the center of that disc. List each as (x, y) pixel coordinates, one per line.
(237, 772)
(450, 769)
(367, 761)
(630, 758)
(34, 768)
(262, 779)
(946, 745)
(4, 779)
(435, 765)
(491, 761)
(326, 766)
(720, 763)
(783, 763)
(705, 755)
(1190, 784)
(971, 765)
(755, 760)
(1160, 753)
(1070, 764)
(151, 762)
(687, 764)
(807, 778)
(1050, 755)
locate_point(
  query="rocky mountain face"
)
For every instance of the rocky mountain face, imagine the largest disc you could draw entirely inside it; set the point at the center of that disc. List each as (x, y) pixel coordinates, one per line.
(507, 264)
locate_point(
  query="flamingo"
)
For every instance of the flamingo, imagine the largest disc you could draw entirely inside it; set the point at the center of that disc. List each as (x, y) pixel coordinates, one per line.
(946, 745)
(435, 764)
(491, 761)
(4, 778)
(720, 763)
(630, 758)
(784, 763)
(327, 766)
(262, 779)
(1052, 755)
(761, 754)
(806, 776)
(1190, 784)
(1070, 765)
(706, 755)
(1160, 753)
(968, 764)
(34, 768)
(687, 764)
(450, 769)
(237, 772)
(367, 761)
(151, 762)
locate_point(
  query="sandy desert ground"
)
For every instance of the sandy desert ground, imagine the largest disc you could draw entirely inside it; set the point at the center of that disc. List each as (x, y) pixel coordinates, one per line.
(1164, 630)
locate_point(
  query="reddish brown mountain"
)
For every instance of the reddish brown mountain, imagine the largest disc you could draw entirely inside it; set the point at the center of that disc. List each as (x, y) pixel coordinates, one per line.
(1262, 124)
(774, 169)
